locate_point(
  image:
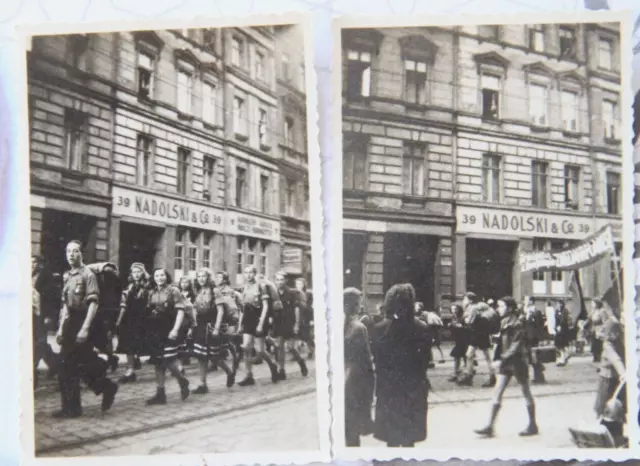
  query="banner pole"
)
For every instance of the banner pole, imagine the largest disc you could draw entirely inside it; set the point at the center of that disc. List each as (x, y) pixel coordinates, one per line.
(618, 284)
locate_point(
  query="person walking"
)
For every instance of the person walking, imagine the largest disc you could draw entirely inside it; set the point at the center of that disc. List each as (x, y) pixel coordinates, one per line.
(130, 324)
(595, 323)
(358, 369)
(479, 339)
(400, 346)
(187, 290)
(460, 334)
(513, 355)
(254, 325)
(166, 313)
(286, 326)
(534, 325)
(45, 303)
(306, 334)
(231, 301)
(563, 333)
(78, 360)
(612, 367)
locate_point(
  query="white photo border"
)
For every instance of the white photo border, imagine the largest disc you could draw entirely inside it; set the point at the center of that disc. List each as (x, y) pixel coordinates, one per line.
(27, 431)
(335, 230)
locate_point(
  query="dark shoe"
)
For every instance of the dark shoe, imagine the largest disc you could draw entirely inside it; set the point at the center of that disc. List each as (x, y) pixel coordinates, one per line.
(466, 381)
(248, 380)
(540, 380)
(487, 432)
(160, 398)
(62, 414)
(431, 365)
(201, 390)
(303, 368)
(282, 375)
(231, 379)
(453, 378)
(491, 382)
(108, 395)
(184, 388)
(137, 364)
(113, 362)
(529, 431)
(442, 361)
(127, 378)
(274, 373)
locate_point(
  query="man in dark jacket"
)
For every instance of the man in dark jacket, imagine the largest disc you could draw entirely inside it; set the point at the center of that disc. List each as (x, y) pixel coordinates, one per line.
(534, 333)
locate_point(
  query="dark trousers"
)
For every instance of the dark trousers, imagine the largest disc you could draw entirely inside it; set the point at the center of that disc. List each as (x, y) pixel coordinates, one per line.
(596, 349)
(78, 362)
(41, 348)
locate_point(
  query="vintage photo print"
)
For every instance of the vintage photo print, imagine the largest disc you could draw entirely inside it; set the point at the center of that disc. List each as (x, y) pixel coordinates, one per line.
(486, 211)
(175, 229)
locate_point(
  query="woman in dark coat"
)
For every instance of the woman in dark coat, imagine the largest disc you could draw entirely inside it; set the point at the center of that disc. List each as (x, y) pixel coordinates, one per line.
(358, 370)
(400, 345)
(130, 322)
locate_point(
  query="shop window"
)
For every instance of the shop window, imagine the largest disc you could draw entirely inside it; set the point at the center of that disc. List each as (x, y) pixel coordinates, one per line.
(207, 243)
(184, 167)
(262, 267)
(490, 86)
(489, 32)
(209, 40)
(605, 53)
(609, 119)
(185, 85)
(75, 131)
(143, 163)
(568, 42)
(413, 169)
(614, 264)
(192, 259)
(354, 164)
(263, 135)
(558, 285)
(570, 111)
(358, 74)
(539, 190)
(209, 171)
(264, 193)
(572, 187)
(539, 277)
(209, 92)
(241, 186)
(239, 116)
(613, 193)
(284, 64)
(251, 251)
(288, 131)
(415, 81)
(237, 52)
(178, 253)
(491, 177)
(288, 197)
(146, 70)
(259, 66)
(538, 104)
(536, 38)
(240, 258)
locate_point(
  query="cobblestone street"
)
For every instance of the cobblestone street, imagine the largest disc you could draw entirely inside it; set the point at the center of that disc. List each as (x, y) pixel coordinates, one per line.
(130, 421)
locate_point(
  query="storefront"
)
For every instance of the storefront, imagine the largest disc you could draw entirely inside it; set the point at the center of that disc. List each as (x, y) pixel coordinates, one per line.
(378, 255)
(56, 220)
(296, 262)
(488, 243)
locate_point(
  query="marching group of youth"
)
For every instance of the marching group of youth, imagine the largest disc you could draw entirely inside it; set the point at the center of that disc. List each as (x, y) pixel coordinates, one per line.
(205, 318)
(387, 356)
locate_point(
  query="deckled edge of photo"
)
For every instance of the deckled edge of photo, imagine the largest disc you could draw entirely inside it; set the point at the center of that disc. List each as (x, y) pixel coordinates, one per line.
(342, 452)
(27, 421)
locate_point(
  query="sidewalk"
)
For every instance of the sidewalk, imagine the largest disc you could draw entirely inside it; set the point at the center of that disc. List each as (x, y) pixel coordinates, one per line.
(129, 414)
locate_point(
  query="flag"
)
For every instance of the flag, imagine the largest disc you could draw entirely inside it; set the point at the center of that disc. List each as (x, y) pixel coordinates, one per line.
(576, 306)
(612, 295)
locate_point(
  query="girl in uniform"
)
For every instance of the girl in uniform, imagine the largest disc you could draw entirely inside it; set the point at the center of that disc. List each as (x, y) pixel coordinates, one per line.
(231, 301)
(130, 323)
(513, 354)
(166, 313)
(306, 321)
(460, 333)
(563, 335)
(189, 294)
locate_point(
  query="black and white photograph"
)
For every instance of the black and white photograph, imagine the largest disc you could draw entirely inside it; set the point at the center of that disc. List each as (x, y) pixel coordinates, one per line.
(175, 296)
(483, 245)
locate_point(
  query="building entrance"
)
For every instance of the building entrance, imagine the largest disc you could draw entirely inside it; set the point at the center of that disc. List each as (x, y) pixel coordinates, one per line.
(58, 228)
(354, 247)
(490, 267)
(138, 243)
(410, 258)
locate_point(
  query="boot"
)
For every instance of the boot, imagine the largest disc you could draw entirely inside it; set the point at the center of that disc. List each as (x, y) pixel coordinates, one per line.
(184, 388)
(532, 428)
(303, 367)
(465, 380)
(491, 382)
(108, 395)
(488, 430)
(160, 398)
(453, 378)
(538, 376)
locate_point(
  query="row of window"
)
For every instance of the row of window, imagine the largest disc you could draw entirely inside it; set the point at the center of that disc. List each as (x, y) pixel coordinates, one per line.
(491, 94)
(414, 177)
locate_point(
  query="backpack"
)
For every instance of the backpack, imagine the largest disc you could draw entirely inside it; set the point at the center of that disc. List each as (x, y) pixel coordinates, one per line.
(275, 304)
(109, 285)
(490, 317)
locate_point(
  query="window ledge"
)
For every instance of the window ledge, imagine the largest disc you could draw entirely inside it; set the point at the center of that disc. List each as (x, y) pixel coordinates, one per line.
(145, 100)
(241, 137)
(572, 134)
(614, 141)
(540, 129)
(75, 175)
(357, 193)
(184, 116)
(265, 146)
(491, 120)
(211, 126)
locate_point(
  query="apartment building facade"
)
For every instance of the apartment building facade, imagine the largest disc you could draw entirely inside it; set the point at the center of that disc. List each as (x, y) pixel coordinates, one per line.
(169, 139)
(523, 150)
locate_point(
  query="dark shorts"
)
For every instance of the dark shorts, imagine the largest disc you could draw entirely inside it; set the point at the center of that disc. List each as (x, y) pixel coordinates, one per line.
(519, 370)
(482, 341)
(250, 320)
(283, 324)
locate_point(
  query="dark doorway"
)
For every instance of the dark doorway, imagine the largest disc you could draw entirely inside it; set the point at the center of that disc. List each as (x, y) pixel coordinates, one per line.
(490, 267)
(58, 228)
(354, 247)
(411, 259)
(138, 243)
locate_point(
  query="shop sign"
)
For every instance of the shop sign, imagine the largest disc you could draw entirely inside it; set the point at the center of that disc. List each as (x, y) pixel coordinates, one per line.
(499, 222)
(292, 260)
(164, 209)
(587, 252)
(252, 226)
